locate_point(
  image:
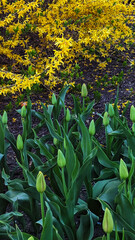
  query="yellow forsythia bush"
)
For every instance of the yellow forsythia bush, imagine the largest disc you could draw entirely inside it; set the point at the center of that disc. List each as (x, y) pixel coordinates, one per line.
(41, 39)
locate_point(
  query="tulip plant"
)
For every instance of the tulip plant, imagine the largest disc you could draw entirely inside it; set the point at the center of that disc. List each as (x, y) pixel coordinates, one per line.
(66, 160)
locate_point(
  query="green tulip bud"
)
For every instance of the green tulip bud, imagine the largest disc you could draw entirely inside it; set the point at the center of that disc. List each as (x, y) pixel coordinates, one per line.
(133, 127)
(106, 119)
(23, 112)
(123, 171)
(132, 114)
(19, 142)
(40, 182)
(61, 161)
(68, 117)
(111, 110)
(54, 100)
(55, 141)
(84, 91)
(107, 224)
(31, 238)
(4, 118)
(92, 128)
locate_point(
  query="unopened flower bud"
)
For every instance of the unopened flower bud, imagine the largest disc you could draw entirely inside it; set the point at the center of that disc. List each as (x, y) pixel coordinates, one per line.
(107, 224)
(132, 114)
(40, 182)
(19, 142)
(23, 112)
(111, 110)
(92, 128)
(68, 117)
(84, 91)
(133, 127)
(61, 161)
(123, 171)
(4, 117)
(106, 119)
(31, 238)
(55, 141)
(54, 100)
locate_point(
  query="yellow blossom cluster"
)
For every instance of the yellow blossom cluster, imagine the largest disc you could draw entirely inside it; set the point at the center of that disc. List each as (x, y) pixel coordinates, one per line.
(51, 37)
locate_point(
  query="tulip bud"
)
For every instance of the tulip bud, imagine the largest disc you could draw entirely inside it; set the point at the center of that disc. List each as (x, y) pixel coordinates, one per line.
(92, 128)
(61, 161)
(54, 100)
(23, 112)
(123, 171)
(19, 142)
(133, 127)
(132, 113)
(40, 183)
(68, 117)
(4, 118)
(55, 141)
(31, 238)
(111, 110)
(107, 224)
(84, 91)
(106, 119)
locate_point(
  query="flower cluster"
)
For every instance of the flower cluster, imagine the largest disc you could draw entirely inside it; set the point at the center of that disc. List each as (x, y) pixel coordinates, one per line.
(52, 37)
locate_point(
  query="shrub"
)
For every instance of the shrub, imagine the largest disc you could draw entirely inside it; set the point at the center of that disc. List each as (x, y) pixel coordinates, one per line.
(38, 40)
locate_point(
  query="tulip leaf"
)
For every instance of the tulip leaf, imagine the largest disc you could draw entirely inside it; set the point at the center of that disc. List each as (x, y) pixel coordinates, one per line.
(103, 158)
(2, 138)
(35, 159)
(86, 227)
(85, 141)
(43, 150)
(47, 232)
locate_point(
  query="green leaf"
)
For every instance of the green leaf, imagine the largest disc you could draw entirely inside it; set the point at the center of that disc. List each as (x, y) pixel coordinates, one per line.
(19, 234)
(70, 159)
(43, 150)
(53, 131)
(2, 139)
(87, 112)
(76, 105)
(74, 191)
(85, 141)
(47, 232)
(86, 227)
(35, 159)
(102, 157)
(10, 137)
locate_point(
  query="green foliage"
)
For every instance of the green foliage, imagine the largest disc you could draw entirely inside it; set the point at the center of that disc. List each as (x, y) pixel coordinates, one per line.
(75, 160)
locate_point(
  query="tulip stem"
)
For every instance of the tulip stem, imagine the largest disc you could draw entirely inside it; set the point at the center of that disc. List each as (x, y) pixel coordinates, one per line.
(108, 143)
(42, 208)
(108, 236)
(83, 103)
(64, 183)
(22, 162)
(90, 143)
(125, 188)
